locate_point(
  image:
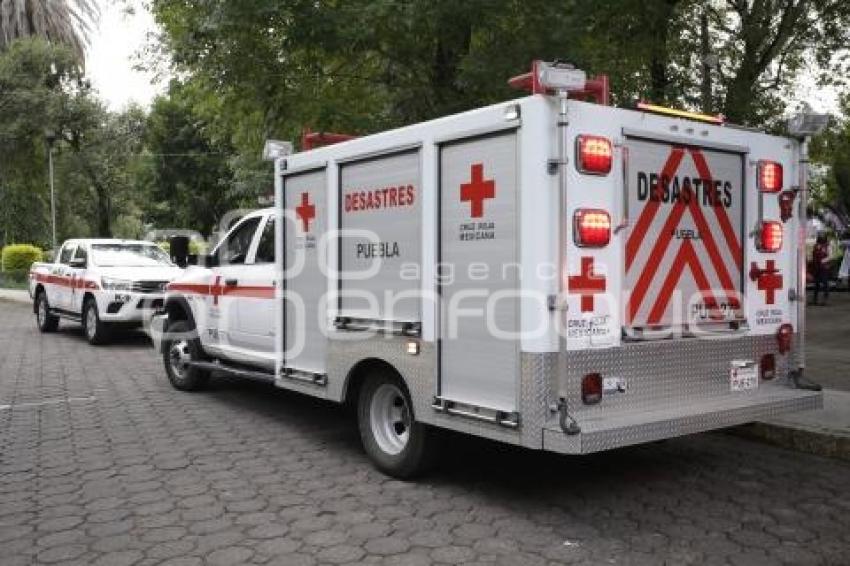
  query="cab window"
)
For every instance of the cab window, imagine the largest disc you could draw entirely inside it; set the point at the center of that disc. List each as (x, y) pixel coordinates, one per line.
(66, 254)
(234, 250)
(265, 249)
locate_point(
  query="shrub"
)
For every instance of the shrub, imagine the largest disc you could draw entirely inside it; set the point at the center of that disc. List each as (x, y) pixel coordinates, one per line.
(19, 257)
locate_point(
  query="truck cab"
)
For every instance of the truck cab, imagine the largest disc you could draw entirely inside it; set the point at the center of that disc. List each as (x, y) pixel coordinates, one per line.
(100, 283)
(230, 299)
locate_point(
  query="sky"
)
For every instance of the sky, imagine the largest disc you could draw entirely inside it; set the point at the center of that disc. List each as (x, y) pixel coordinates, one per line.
(122, 34)
(113, 52)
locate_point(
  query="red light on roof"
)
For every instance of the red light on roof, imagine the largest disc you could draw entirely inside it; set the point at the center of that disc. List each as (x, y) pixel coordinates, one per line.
(594, 155)
(770, 176)
(770, 236)
(591, 228)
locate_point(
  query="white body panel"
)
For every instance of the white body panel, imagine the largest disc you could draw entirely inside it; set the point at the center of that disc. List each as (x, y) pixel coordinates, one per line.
(510, 230)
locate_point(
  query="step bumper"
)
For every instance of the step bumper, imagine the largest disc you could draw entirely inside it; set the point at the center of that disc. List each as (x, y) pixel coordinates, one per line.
(602, 431)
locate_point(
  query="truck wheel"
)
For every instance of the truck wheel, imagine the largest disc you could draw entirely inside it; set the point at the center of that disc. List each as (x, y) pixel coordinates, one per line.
(93, 328)
(178, 349)
(397, 444)
(46, 322)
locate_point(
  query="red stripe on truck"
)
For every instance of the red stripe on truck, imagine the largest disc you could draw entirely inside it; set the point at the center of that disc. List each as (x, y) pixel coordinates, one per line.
(247, 291)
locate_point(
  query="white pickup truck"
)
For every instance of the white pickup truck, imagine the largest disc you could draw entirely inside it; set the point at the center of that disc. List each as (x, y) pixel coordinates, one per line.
(102, 283)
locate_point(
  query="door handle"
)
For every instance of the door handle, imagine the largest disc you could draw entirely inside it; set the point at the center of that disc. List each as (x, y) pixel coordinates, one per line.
(231, 282)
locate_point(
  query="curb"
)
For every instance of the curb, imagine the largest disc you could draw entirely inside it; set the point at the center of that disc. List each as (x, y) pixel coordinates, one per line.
(802, 440)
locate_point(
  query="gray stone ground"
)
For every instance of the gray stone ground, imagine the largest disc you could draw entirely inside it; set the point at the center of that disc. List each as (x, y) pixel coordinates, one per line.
(828, 342)
(101, 462)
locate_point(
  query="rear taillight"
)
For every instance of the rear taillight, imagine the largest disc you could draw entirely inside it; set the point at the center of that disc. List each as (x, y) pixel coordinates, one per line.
(783, 338)
(769, 236)
(591, 228)
(767, 367)
(770, 176)
(593, 155)
(591, 388)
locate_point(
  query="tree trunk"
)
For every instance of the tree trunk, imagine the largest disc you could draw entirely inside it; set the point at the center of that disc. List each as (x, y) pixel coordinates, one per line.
(659, 21)
(705, 52)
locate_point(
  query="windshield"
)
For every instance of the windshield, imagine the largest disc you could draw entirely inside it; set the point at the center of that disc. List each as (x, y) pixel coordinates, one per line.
(129, 255)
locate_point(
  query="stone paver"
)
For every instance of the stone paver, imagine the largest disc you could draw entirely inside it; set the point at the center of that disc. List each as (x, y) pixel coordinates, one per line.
(102, 462)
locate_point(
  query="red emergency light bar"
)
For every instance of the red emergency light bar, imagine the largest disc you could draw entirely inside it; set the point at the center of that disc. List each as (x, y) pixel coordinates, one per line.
(596, 87)
(656, 109)
(311, 140)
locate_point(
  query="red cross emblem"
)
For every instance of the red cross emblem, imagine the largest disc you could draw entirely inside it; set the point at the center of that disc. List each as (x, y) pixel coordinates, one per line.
(477, 190)
(769, 280)
(587, 284)
(217, 289)
(306, 212)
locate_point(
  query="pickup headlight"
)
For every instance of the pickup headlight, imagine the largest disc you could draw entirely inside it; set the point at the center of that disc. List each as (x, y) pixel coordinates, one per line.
(110, 284)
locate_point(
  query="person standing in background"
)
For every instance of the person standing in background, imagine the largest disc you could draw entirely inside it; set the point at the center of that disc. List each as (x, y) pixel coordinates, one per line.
(820, 271)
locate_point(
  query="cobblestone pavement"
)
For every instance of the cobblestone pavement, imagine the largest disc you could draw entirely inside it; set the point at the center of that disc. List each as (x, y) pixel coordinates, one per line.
(101, 462)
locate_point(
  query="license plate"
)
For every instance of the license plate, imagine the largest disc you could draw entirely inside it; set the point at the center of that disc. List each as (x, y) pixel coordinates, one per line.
(743, 376)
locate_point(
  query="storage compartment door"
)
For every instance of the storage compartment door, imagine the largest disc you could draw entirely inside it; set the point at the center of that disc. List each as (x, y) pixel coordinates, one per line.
(478, 272)
(305, 284)
(381, 242)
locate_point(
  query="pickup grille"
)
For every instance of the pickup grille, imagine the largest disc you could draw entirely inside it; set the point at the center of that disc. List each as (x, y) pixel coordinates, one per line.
(148, 286)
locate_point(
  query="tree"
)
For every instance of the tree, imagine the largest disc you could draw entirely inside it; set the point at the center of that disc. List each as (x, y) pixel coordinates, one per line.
(831, 153)
(38, 81)
(188, 176)
(101, 164)
(64, 22)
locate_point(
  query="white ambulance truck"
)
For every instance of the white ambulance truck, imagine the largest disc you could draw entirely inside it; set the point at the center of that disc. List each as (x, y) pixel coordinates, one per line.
(547, 272)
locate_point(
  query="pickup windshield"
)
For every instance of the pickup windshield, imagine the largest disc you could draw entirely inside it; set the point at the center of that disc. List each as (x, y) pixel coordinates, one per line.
(129, 255)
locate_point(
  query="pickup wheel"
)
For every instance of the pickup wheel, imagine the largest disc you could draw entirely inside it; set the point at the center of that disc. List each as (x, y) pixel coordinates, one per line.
(96, 331)
(46, 322)
(397, 444)
(179, 347)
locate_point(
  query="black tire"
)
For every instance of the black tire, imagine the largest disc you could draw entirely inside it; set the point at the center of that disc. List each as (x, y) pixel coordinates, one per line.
(180, 341)
(45, 321)
(95, 331)
(397, 445)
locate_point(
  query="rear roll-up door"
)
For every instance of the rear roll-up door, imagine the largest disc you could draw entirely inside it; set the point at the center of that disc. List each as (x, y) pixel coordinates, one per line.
(684, 251)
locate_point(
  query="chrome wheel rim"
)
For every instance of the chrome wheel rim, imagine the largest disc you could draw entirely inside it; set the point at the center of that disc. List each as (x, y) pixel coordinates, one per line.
(389, 416)
(179, 357)
(91, 322)
(42, 312)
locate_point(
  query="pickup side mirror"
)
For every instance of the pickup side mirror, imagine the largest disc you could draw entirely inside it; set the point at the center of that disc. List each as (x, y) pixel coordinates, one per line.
(78, 263)
(210, 260)
(179, 248)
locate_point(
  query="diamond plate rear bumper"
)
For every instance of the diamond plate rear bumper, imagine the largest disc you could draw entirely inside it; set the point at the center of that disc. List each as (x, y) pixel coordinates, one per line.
(605, 431)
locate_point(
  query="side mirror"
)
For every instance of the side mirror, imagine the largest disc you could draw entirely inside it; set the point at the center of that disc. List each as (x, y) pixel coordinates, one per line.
(210, 260)
(78, 263)
(179, 248)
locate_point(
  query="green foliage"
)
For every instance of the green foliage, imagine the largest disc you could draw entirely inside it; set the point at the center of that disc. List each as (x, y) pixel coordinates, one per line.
(831, 182)
(39, 84)
(188, 175)
(195, 247)
(19, 257)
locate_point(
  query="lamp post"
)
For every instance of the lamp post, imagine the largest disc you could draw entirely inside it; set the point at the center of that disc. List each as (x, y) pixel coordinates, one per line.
(50, 138)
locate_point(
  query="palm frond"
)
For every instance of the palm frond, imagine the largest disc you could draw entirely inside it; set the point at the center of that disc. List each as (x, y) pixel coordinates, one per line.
(68, 22)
